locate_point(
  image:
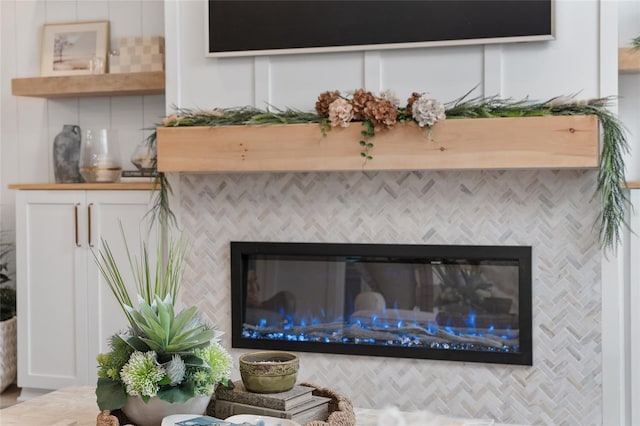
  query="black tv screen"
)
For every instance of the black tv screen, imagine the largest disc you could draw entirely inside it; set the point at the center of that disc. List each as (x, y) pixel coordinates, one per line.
(239, 27)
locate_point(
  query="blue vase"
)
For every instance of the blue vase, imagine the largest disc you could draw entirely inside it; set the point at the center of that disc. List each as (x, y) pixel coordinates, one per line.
(66, 155)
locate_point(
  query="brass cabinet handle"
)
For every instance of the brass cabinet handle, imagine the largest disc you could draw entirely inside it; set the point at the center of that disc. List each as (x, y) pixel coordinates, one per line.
(89, 223)
(76, 219)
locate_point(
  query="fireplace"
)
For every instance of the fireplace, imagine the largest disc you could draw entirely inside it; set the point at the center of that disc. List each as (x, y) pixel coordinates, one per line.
(444, 302)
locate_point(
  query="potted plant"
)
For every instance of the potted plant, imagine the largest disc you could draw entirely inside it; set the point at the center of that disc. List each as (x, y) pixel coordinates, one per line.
(168, 361)
(8, 328)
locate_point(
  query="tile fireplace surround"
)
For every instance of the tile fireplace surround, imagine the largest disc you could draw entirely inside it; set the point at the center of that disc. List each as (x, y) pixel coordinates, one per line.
(553, 211)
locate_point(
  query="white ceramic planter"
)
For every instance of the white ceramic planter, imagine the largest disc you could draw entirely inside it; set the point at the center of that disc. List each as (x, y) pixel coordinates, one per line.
(152, 412)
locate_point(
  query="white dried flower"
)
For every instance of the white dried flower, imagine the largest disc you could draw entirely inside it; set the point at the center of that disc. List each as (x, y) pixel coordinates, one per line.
(175, 369)
(427, 111)
(340, 113)
(390, 96)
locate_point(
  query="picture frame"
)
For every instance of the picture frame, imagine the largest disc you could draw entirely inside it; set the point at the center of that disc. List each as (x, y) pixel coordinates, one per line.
(74, 48)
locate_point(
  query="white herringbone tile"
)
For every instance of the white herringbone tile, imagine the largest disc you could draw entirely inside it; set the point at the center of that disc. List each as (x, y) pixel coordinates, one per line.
(553, 211)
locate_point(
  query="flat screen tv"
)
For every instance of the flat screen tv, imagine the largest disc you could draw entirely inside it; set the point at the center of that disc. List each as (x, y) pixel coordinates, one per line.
(243, 28)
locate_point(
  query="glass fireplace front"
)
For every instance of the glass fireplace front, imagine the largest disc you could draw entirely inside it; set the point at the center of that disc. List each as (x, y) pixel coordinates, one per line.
(459, 303)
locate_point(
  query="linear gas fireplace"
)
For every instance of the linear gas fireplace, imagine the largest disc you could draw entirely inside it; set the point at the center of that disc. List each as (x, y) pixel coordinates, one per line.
(459, 303)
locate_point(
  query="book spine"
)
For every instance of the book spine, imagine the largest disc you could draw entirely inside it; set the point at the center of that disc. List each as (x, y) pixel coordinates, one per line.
(224, 409)
(273, 404)
(273, 401)
(138, 173)
(320, 412)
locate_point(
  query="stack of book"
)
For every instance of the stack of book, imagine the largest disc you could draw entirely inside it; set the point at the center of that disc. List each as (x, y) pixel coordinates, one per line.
(137, 176)
(298, 404)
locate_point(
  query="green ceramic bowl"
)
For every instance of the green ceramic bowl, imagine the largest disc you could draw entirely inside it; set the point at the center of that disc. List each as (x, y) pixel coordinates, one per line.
(269, 371)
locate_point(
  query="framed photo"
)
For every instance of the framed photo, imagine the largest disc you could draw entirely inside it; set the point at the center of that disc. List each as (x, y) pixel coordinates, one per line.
(74, 48)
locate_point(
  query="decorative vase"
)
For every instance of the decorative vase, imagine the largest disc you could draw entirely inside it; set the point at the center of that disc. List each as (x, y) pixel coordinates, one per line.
(152, 412)
(144, 157)
(66, 155)
(99, 156)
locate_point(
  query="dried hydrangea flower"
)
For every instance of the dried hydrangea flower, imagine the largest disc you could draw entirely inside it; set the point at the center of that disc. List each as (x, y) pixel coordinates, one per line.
(382, 113)
(142, 374)
(427, 111)
(391, 96)
(340, 113)
(324, 100)
(414, 97)
(170, 120)
(359, 102)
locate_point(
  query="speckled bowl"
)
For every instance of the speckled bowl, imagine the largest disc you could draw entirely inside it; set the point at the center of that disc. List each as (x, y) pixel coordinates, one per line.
(269, 371)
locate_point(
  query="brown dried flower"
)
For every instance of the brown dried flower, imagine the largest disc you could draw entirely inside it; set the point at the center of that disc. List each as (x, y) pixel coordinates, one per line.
(381, 112)
(170, 120)
(359, 102)
(324, 100)
(414, 97)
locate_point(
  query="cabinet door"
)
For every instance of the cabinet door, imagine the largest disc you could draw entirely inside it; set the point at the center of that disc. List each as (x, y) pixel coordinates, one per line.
(52, 292)
(634, 301)
(107, 211)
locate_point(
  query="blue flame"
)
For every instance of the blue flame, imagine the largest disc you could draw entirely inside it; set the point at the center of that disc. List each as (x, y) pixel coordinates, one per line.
(437, 336)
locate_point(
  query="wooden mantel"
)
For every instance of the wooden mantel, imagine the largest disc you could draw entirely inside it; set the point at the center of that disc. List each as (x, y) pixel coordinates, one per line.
(554, 142)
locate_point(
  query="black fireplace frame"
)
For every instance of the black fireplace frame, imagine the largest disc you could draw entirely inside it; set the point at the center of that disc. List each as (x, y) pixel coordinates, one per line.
(241, 250)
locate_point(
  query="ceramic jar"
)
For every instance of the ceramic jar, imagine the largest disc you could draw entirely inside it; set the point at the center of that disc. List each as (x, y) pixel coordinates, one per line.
(66, 155)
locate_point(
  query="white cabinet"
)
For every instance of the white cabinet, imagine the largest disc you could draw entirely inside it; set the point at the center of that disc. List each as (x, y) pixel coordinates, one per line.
(66, 312)
(634, 301)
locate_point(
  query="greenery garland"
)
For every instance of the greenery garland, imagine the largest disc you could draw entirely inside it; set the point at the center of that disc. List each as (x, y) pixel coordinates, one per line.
(611, 182)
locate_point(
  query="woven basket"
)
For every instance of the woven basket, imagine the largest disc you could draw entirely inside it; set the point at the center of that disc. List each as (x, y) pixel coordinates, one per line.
(340, 411)
(8, 352)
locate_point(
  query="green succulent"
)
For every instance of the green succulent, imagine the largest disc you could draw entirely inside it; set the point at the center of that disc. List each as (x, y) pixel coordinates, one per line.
(160, 330)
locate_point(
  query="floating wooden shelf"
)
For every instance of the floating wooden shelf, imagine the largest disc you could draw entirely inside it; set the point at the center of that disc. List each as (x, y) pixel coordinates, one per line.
(628, 60)
(633, 185)
(82, 186)
(479, 143)
(139, 83)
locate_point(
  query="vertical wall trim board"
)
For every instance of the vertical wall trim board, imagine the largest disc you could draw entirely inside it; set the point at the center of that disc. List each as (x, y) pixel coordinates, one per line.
(372, 69)
(262, 81)
(493, 72)
(615, 350)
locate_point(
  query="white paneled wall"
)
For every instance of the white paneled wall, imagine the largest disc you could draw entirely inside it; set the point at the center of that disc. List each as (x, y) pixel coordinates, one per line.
(30, 124)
